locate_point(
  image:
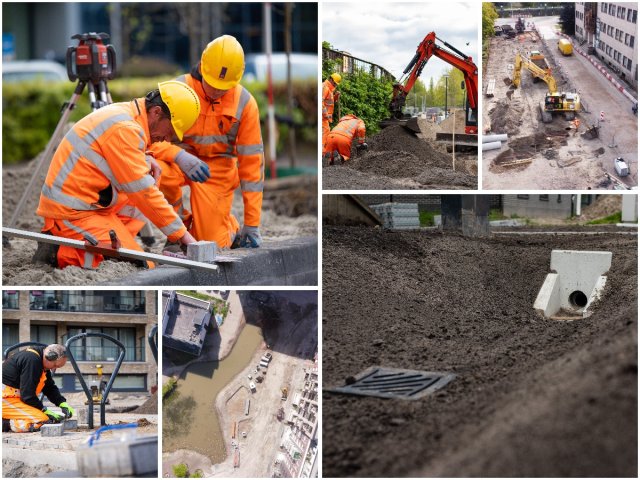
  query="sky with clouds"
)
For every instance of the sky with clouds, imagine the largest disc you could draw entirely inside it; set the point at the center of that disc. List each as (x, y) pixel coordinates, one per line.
(388, 33)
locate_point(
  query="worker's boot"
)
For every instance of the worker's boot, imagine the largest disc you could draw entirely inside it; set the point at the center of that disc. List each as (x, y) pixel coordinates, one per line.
(6, 425)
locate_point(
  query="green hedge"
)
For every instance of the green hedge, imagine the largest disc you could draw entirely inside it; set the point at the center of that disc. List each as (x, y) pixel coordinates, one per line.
(31, 111)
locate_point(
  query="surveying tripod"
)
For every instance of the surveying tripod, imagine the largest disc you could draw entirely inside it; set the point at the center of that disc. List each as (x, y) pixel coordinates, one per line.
(91, 63)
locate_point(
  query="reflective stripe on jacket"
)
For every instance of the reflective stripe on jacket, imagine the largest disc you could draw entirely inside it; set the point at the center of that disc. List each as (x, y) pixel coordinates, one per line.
(227, 136)
(351, 127)
(327, 100)
(101, 158)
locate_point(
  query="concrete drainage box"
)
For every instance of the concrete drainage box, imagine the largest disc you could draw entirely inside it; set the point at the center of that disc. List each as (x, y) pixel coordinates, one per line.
(136, 457)
(576, 281)
(394, 383)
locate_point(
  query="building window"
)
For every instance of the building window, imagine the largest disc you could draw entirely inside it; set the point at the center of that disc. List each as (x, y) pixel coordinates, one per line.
(98, 349)
(126, 301)
(122, 383)
(522, 196)
(44, 334)
(10, 299)
(632, 40)
(10, 335)
(543, 198)
(603, 8)
(559, 200)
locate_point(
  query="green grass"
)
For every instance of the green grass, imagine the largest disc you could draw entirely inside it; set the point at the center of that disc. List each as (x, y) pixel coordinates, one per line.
(496, 214)
(426, 218)
(611, 219)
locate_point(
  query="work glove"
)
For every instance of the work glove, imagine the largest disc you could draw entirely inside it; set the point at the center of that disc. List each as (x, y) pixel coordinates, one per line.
(56, 417)
(68, 411)
(248, 237)
(195, 169)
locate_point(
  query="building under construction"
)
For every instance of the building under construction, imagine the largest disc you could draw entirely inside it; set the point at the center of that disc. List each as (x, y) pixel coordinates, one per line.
(185, 321)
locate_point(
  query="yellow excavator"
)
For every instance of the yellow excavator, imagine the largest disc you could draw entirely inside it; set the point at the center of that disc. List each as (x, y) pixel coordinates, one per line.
(554, 101)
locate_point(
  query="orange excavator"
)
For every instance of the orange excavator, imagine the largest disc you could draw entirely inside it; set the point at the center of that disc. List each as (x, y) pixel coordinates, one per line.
(426, 49)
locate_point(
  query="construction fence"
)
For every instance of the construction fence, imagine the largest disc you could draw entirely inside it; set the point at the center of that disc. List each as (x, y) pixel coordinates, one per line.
(348, 65)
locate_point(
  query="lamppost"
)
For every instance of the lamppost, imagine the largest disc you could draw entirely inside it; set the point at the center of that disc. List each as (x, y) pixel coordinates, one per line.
(446, 94)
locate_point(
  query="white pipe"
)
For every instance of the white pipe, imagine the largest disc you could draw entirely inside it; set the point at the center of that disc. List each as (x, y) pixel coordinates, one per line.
(578, 204)
(502, 137)
(491, 146)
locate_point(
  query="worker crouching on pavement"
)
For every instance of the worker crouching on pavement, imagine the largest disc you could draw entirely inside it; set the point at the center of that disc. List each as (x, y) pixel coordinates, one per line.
(24, 376)
(340, 140)
(222, 151)
(102, 179)
(330, 95)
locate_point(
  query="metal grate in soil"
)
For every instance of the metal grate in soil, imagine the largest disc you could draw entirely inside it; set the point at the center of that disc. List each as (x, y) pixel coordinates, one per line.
(394, 383)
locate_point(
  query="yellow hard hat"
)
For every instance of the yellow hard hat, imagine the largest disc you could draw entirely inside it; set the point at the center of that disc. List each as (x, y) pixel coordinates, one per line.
(336, 77)
(222, 62)
(183, 104)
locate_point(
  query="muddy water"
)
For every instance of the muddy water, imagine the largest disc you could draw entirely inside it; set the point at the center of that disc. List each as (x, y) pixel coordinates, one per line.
(203, 382)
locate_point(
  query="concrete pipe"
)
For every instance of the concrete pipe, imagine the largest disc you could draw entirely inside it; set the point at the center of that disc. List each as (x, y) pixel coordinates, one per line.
(491, 146)
(502, 137)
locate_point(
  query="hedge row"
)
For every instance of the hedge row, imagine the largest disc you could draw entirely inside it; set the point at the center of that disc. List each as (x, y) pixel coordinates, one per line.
(31, 111)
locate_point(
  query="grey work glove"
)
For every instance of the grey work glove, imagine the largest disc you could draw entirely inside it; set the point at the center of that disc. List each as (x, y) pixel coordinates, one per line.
(195, 169)
(248, 237)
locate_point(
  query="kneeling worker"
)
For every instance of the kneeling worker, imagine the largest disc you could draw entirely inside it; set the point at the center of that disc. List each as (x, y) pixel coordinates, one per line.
(102, 179)
(24, 376)
(341, 138)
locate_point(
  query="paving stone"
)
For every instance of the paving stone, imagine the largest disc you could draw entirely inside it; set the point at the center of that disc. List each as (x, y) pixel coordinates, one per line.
(52, 430)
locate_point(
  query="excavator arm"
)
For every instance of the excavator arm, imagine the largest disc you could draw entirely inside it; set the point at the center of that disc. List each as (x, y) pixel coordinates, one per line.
(427, 49)
(535, 70)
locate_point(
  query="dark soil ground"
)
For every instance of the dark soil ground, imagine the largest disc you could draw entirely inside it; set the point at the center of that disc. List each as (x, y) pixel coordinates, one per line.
(532, 397)
(398, 159)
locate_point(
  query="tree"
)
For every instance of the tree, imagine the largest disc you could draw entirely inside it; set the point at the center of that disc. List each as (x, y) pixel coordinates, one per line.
(489, 16)
(568, 18)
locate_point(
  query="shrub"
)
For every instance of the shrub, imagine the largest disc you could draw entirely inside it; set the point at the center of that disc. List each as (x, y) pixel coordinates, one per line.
(181, 470)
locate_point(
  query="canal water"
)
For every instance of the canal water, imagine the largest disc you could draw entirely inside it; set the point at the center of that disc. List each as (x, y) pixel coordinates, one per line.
(194, 424)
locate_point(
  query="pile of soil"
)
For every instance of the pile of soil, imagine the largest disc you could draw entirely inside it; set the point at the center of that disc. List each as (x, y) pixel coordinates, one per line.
(398, 159)
(532, 397)
(447, 124)
(506, 117)
(149, 407)
(603, 206)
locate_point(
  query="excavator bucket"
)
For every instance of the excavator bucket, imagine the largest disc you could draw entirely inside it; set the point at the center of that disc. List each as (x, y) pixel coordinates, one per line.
(410, 123)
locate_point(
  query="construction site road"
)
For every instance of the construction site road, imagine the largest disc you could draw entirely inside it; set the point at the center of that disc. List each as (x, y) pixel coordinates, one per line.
(551, 156)
(532, 397)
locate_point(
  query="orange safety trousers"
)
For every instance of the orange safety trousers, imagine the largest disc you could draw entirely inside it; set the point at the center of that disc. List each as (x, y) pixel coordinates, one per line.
(325, 134)
(338, 143)
(22, 417)
(211, 201)
(124, 218)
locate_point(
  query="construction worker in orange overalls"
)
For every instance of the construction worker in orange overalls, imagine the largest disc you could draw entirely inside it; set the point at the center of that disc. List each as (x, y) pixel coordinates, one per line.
(576, 124)
(341, 138)
(25, 376)
(101, 178)
(330, 95)
(222, 151)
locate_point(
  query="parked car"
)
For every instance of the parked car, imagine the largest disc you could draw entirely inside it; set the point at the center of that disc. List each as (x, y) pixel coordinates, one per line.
(27, 70)
(304, 66)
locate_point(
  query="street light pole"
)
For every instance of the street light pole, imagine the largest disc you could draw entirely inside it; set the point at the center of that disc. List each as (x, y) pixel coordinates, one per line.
(446, 94)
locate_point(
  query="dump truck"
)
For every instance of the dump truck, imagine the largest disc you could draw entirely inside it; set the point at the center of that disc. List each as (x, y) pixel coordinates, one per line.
(565, 47)
(537, 58)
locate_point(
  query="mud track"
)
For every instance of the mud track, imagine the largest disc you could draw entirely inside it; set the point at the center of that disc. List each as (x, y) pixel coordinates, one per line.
(532, 398)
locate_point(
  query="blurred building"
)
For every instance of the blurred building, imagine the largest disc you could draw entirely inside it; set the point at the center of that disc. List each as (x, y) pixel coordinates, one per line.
(172, 32)
(611, 29)
(54, 316)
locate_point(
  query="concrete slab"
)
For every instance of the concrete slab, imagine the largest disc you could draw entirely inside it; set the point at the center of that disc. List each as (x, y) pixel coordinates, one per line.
(289, 262)
(576, 281)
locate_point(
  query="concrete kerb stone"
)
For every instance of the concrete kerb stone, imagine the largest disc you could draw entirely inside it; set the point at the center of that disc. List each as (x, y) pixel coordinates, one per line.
(52, 430)
(56, 458)
(202, 251)
(290, 262)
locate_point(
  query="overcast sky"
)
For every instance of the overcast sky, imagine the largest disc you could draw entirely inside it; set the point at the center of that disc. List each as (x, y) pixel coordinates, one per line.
(388, 33)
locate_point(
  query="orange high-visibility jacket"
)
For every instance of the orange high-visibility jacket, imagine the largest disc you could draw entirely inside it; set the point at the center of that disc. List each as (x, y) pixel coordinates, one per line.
(101, 158)
(351, 126)
(327, 100)
(227, 136)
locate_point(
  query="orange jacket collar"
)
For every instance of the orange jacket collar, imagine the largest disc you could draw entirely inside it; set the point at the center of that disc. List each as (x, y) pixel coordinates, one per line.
(139, 105)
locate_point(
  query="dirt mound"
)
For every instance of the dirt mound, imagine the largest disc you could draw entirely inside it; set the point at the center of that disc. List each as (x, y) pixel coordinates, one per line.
(447, 124)
(428, 128)
(149, 407)
(506, 117)
(532, 398)
(603, 206)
